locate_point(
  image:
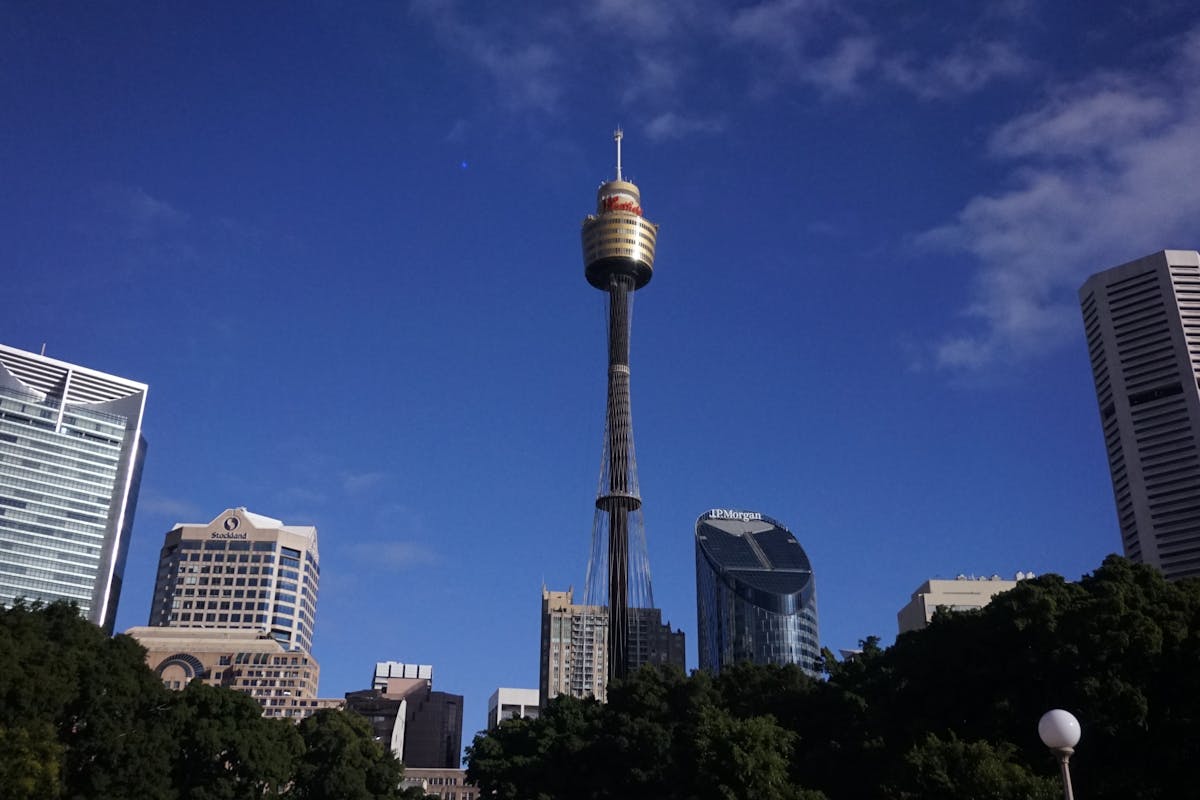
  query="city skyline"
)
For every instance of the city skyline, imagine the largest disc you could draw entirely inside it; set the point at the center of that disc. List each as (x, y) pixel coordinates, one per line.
(342, 250)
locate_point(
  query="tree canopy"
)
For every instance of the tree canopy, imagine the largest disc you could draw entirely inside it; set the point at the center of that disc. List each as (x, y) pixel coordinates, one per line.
(947, 712)
(83, 717)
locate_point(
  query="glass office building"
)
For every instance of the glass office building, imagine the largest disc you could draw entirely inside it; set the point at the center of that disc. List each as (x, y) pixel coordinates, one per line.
(71, 453)
(755, 596)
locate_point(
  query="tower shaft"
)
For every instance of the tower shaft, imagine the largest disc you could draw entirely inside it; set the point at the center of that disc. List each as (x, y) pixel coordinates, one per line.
(622, 498)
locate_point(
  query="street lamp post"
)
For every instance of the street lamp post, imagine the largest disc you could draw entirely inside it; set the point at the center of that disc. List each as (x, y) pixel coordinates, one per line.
(1060, 732)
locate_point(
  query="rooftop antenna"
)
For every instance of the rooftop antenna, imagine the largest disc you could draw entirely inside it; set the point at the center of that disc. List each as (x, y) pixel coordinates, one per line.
(617, 136)
(44, 344)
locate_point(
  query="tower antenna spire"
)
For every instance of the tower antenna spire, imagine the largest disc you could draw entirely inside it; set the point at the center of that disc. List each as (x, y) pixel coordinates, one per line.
(617, 136)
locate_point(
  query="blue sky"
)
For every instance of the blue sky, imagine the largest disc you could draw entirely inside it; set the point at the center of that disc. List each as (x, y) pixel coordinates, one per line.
(342, 248)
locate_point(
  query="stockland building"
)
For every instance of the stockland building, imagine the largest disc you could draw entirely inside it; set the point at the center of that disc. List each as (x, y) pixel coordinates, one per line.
(755, 596)
(234, 605)
(240, 571)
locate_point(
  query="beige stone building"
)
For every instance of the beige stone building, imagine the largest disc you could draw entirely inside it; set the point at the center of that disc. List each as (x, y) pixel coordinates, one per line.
(573, 654)
(235, 604)
(446, 784)
(283, 682)
(960, 594)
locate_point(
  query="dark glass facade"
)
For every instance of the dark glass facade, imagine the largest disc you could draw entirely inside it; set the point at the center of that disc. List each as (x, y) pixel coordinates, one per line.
(756, 599)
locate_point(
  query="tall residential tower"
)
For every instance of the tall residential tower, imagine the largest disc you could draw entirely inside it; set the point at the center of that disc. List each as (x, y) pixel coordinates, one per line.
(1142, 322)
(618, 255)
(71, 452)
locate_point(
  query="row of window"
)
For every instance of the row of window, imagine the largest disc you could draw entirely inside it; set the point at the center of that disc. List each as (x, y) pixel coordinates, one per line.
(33, 408)
(45, 517)
(71, 467)
(186, 568)
(47, 557)
(222, 544)
(7, 523)
(47, 481)
(220, 605)
(244, 619)
(58, 496)
(73, 445)
(35, 545)
(34, 589)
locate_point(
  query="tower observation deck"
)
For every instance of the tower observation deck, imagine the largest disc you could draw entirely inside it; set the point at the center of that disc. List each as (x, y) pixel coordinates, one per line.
(618, 257)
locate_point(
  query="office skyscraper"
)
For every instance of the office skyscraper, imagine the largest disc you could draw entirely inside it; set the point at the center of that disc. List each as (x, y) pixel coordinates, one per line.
(1142, 322)
(755, 596)
(71, 452)
(618, 254)
(240, 571)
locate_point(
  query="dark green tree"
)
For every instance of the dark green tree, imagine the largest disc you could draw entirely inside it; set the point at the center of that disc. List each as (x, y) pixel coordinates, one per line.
(951, 769)
(342, 761)
(226, 749)
(107, 711)
(30, 762)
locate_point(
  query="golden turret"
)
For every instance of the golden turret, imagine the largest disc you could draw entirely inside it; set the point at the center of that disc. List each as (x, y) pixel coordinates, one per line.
(618, 239)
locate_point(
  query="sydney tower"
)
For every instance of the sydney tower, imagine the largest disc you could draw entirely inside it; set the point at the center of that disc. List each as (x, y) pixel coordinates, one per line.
(618, 255)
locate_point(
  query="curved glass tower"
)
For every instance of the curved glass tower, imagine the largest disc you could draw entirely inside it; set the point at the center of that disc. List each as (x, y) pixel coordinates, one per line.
(755, 596)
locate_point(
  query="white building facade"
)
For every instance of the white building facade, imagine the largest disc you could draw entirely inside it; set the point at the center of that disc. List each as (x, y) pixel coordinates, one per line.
(1142, 322)
(71, 453)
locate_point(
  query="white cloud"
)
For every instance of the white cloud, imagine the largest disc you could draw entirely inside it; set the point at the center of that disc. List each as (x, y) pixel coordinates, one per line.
(842, 71)
(1081, 123)
(140, 215)
(177, 509)
(524, 70)
(392, 555)
(966, 69)
(782, 24)
(358, 482)
(1126, 188)
(674, 126)
(636, 18)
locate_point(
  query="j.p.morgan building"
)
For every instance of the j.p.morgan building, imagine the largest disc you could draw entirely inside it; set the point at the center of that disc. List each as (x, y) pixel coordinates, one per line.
(755, 596)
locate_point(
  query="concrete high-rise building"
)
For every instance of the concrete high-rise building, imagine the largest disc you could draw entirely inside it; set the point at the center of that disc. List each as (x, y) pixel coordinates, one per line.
(512, 704)
(423, 728)
(1142, 322)
(240, 571)
(756, 599)
(71, 452)
(575, 646)
(961, 594)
